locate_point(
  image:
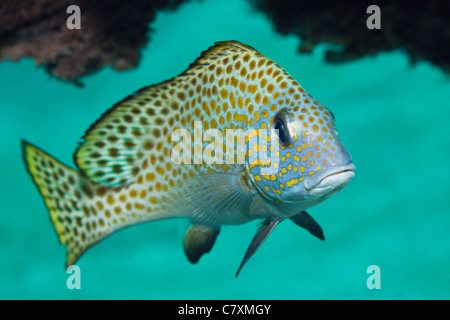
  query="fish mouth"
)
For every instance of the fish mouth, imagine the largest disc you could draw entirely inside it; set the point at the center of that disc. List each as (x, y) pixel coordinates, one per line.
(330, 177)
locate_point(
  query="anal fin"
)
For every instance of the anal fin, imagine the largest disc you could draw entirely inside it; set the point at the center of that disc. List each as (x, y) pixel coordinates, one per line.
(199, 240)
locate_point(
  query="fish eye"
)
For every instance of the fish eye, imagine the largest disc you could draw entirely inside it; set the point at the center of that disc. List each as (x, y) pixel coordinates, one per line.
(282, 127)
(282, 134)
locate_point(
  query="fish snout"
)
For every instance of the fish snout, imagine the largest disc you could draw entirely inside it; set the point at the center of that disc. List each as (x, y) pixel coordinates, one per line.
(331, 177)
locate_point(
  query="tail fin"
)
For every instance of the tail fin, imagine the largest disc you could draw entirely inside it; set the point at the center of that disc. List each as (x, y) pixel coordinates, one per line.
(64, 191)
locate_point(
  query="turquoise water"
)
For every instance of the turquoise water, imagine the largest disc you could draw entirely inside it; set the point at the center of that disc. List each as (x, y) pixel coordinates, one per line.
(395, 213)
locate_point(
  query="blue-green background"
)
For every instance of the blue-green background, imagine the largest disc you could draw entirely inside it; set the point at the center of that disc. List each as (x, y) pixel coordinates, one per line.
(395, 213)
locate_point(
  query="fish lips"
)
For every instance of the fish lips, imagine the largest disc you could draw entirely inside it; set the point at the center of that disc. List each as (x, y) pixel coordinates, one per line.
(330, 177)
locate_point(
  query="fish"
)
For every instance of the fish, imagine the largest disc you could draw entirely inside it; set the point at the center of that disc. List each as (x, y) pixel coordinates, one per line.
(232, 139)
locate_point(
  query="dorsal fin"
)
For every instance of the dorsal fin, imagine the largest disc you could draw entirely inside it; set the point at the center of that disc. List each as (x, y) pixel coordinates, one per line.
(219, 50)
(116, 145)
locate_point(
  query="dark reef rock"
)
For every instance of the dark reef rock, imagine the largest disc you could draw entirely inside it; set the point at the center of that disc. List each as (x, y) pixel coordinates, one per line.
(419, 28)
(112, 33)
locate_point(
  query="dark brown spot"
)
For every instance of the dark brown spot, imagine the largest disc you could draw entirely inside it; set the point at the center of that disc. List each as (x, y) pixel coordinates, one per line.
(159, 121)
(117, 169)
(101, 191)
(148, 145)
(113, 152)
(71, 179)
(99, 174)
(129, 160)
(60, 194)
(85, 210)
(102, 163)
(65, 187)
(127, 118)
(87, 191)
(157, 133)
(143, 121)
(99, 144)
(136, 132)
(77, 194)
(129, 144)
(135, 171)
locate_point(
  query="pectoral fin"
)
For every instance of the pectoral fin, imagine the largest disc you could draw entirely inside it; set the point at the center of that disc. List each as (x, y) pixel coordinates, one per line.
(211, 198)
(261, 235)
(304, 220)
(198, 240)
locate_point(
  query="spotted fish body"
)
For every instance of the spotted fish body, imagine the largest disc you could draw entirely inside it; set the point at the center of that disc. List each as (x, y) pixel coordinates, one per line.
(132, 170)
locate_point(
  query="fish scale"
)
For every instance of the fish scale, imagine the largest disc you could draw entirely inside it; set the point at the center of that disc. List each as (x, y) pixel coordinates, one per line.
(129, 173)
